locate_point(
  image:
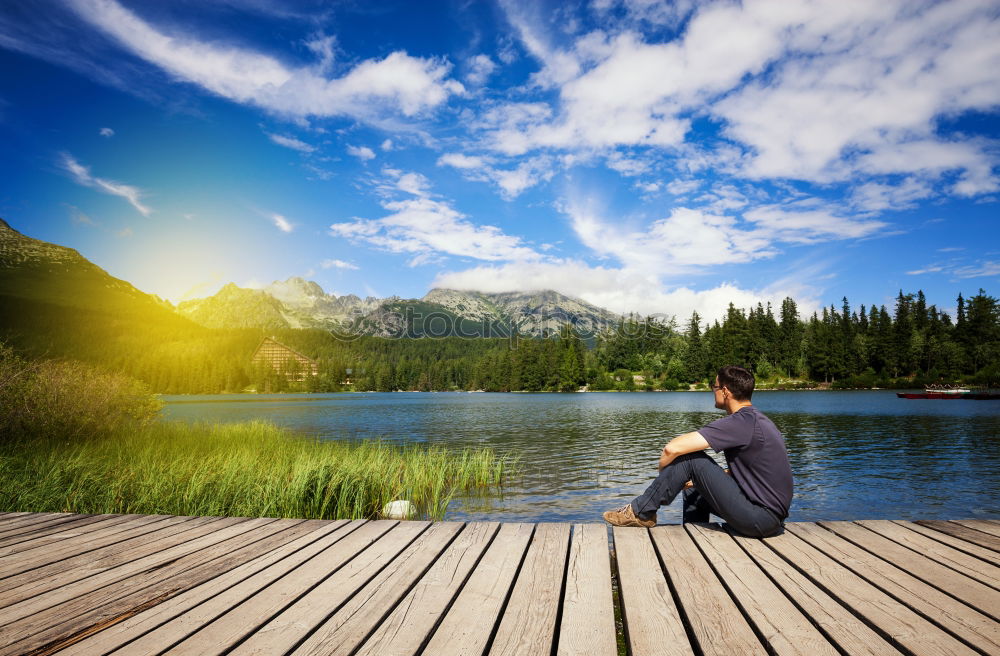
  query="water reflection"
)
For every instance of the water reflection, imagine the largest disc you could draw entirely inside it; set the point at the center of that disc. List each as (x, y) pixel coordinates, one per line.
(855, 455)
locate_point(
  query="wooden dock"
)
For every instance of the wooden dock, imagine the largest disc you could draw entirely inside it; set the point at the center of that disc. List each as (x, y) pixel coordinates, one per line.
(151, 584)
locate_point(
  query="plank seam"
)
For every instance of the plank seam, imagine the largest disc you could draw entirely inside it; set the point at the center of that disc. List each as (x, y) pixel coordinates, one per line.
(888, 637)
(791, 599)
(725, 586)
(939, 529)
(130, 592)
(909, 527)
(510, 592)
(954, 569)
(451, 602)
(80, 553)
(927, 617)
(618, 607)
(685, 620)
(250, 633)
(562, 591)
(388, 612)
(956, 522)
(224, 590)
(916, 576)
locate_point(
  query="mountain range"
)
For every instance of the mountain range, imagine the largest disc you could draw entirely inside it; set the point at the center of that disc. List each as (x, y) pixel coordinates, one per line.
(40, 271)
(300, 303)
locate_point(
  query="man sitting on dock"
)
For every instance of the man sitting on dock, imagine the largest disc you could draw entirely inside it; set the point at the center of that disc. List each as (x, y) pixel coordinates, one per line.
(754, 499)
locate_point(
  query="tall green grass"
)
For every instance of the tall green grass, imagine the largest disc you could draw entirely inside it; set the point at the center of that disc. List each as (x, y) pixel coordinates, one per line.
(76, 439)
(248, 469)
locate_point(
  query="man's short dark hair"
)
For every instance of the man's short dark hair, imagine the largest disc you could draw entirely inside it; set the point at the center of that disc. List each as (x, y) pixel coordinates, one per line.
(738, 381)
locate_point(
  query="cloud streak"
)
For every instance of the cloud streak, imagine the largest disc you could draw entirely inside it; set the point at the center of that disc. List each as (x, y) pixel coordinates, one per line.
(394, 84)
(81, 174)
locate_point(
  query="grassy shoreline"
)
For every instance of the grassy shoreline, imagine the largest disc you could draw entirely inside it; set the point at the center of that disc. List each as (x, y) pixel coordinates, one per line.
(249, 469)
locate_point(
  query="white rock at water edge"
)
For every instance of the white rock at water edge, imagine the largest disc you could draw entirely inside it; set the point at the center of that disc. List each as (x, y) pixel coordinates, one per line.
(399, 509)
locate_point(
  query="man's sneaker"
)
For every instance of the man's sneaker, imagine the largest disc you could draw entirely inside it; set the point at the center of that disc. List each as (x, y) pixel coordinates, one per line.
(625, 516)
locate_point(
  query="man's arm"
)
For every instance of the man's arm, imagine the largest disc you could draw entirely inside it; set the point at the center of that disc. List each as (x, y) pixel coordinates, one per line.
(682, 444)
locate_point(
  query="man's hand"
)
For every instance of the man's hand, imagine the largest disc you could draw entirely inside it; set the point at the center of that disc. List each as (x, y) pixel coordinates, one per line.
(690, 484)
(681, 445)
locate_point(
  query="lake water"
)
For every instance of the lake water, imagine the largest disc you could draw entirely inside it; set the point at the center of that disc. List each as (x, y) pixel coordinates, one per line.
(855, 455)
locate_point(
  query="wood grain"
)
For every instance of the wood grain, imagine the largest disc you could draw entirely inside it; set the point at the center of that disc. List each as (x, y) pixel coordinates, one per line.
(848, 573)
(469, 624)
(785, 628)
(652, 620)
(528, 625)
(412, 621)
(588, 614)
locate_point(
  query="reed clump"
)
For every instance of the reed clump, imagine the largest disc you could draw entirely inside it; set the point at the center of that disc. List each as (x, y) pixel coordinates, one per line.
(100, 450)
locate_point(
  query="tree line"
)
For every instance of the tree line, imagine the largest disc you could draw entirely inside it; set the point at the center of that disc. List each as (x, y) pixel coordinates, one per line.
(910, 344)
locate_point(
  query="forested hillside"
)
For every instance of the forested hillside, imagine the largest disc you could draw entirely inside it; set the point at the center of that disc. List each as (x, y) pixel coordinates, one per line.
(912, 345)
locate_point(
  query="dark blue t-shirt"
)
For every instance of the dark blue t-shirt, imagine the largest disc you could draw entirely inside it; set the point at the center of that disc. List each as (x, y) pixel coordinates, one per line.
(755, 451)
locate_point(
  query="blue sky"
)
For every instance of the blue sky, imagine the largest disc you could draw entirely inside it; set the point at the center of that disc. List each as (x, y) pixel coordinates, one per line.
(643, 156)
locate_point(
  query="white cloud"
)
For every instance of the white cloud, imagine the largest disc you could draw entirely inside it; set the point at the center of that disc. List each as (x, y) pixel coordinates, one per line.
(397, 83)
(281, 223)
(511, 182)
(338, 264)
(480, 68)
(688, 240)
(621, 290)
(462, 161)
(81, 174)
(364, 153)
(386, 145)
(980, 270)
(291, 142)
(809, 91)
(927, 269)
(106, 132)
(427, 228)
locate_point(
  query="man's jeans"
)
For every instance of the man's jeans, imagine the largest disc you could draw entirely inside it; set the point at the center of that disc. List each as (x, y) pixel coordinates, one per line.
(714, 491)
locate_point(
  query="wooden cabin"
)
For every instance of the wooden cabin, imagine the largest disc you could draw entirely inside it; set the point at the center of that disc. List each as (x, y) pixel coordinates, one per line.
(284, 359)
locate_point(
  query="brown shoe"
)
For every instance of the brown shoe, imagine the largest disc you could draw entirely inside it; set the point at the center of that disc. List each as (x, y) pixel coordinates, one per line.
(625, 516)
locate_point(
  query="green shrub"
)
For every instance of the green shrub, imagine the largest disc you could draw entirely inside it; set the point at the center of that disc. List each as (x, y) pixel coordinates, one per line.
(68, 400)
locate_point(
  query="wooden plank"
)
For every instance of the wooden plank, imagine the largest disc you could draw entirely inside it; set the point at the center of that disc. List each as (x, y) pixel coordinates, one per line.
(468, 625)
(75, 523)
(93, 611)
(28, 518)
(153, 555)
(783, 626)
(86, 551)
(228, 618)
(80, 570)
(405, 630)
(957, 560)
(652, 621)
(964, 533)
(85, 526)
(715, 620)
(37, 522)
(528, 625)
(156, 628)
(972, 592)
(839, 624)
(308, 611)
(342, 632)
(848, 573)
(984, 525)
(588, 613)
(982, 553)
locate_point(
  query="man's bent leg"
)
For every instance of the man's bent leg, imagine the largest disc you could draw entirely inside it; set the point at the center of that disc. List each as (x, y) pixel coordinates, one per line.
(715, 487)
(670, 482)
